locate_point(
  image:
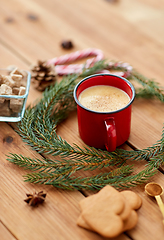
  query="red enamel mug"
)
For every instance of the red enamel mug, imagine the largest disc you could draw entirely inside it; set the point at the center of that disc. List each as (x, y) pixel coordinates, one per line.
(104, 129)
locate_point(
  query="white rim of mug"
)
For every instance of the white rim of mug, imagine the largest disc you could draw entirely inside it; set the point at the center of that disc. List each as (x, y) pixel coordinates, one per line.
(104, 74)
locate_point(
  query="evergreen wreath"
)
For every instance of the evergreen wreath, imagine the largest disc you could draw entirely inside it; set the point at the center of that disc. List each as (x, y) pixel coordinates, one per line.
(38, 129)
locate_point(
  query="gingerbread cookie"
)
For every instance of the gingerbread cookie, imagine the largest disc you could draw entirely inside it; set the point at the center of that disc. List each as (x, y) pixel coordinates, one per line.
(104, 220)
(109, 212)
(131, 221)
(134, 199)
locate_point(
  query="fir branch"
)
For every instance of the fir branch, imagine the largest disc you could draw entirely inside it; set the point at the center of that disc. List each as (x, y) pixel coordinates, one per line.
(120, 179)
(149, 88)
(137, 179)
(98, 66)
(140, 155)
(157, 160)
(78, 182)
(38, 129)
(98, 159)
(147, 154)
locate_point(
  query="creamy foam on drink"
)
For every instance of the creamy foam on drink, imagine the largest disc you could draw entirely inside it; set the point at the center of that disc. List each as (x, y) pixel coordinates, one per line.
(102, 98)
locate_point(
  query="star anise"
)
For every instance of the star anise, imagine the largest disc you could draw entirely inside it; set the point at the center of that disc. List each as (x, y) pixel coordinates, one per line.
(35, 198)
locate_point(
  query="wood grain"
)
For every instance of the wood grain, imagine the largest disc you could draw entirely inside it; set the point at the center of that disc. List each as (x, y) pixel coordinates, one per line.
(127, 30)
(5, 234)
(57, 217)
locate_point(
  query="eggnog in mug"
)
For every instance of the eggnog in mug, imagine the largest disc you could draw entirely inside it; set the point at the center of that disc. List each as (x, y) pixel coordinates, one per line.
(103, 98)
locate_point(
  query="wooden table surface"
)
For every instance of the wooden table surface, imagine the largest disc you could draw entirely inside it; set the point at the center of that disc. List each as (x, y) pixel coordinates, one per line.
(126, 30)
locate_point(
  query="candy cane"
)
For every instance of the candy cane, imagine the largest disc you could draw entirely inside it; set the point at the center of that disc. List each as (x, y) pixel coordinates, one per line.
(69, 58)
(126, 66)
(77, 68)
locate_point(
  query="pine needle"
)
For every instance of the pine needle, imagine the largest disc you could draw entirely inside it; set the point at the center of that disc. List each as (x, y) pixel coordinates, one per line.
(38, 129)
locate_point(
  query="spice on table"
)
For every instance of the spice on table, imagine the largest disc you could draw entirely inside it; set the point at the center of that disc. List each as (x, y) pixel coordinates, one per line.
(153, 189)
(67, 44)
(35, 198)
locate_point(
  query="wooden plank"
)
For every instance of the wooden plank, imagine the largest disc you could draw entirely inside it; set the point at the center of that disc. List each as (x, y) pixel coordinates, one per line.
(58, 215)
(5, 234)
(82, 30)
(146, 221)
(29, 40)
(146, 54)
(145, 15)
(57, 203)
(150, 225)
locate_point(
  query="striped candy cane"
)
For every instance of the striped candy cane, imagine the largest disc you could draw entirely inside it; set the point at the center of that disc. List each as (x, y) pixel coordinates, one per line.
(62, 66)
(72, 57)
(126, 66)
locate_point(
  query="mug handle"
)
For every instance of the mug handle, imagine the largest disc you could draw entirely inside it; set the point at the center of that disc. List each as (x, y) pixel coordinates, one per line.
(111, 137)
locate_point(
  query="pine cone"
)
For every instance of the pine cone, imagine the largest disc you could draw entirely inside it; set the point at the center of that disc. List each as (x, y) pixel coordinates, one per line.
(43, 75)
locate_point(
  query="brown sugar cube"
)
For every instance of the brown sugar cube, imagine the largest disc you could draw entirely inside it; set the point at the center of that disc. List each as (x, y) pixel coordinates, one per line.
(1, 79)
(17, 80)
(16, 71)
(6, 112)
(15, 90)
(2, 105)
(16, 104)
(8, 81)
(4, 109)
(22, 90)
(23, 83)
(24, 78)
(16, 77)
(2, 100)
(5, 90)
